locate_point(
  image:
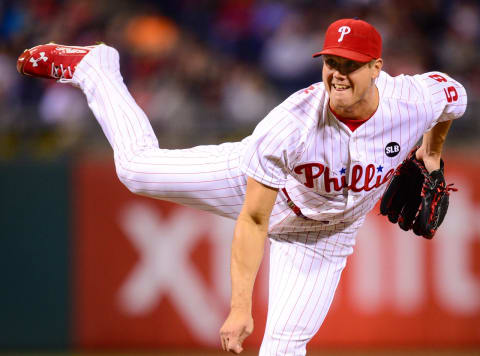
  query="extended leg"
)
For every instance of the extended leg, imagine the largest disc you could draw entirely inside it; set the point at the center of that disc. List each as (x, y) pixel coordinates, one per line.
(204, 177)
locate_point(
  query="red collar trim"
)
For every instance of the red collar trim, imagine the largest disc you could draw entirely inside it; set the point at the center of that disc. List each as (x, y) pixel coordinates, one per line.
(352, 124)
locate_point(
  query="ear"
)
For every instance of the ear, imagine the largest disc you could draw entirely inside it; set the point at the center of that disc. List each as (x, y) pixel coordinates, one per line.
(377, 67)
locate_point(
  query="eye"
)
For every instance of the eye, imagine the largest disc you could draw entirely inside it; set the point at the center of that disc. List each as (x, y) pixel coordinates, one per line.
(331, 63)
(351, 66)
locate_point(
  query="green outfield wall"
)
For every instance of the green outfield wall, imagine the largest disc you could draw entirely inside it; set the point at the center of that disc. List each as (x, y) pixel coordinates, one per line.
(34, 255)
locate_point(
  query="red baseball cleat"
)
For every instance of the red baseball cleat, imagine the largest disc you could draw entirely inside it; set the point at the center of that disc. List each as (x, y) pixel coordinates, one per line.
(52, 61)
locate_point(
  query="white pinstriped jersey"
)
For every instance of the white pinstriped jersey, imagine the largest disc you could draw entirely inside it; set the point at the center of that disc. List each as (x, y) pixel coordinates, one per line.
(330, 172)
(336, 175)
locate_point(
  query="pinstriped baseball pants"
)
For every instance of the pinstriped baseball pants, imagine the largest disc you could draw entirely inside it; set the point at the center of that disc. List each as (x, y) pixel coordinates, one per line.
(306, 257)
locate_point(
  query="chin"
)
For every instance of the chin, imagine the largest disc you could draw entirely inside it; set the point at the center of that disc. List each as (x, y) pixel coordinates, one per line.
(340, 102)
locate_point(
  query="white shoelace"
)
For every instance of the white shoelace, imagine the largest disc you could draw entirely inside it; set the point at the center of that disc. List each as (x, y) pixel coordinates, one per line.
(60, 72)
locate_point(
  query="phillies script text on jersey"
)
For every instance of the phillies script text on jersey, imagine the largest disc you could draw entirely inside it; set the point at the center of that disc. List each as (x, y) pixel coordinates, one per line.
(356, 184)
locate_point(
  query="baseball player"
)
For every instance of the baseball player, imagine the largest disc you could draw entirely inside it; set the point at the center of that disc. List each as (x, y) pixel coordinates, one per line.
(305, 178)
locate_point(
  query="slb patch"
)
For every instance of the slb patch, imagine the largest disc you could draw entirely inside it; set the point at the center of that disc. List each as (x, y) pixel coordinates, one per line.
(392, 149)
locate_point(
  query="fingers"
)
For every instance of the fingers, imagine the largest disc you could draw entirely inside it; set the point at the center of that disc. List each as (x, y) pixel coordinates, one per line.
(234, 345)
(237, 349)
(235, 330)
(224, 341)
(231, 344)
(232, 341)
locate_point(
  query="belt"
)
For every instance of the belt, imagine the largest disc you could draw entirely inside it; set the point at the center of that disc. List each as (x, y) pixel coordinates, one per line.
(297, 210)
(292, 205)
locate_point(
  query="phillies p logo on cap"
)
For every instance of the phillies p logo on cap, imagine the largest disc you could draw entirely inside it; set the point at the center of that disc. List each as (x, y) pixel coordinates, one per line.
(344, 30)
(352, 39)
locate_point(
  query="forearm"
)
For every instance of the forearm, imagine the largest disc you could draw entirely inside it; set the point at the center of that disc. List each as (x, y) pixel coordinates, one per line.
(434, 139)
(432, 144)
(247, 253)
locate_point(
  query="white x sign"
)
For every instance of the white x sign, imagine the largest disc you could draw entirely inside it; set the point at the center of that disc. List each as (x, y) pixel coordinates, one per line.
(164, 268)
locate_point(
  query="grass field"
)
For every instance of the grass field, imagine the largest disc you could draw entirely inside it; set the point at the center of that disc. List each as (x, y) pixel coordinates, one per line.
(407, 352)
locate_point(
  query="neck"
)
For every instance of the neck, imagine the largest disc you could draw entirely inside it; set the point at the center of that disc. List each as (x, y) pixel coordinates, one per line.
(362, 109)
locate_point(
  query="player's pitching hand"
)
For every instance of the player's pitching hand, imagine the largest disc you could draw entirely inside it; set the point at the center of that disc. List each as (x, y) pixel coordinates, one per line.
(235, 329)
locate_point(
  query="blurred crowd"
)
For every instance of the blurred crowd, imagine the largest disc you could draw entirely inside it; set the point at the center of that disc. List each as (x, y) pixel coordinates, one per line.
(207, 71)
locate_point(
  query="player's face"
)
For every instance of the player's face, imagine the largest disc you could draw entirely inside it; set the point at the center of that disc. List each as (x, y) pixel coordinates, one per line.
(350, 84)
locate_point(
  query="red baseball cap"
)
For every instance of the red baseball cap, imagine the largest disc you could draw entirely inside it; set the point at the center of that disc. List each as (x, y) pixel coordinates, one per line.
(353, 39)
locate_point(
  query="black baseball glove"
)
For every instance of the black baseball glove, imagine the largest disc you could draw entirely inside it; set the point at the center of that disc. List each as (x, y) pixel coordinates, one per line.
(416, 199)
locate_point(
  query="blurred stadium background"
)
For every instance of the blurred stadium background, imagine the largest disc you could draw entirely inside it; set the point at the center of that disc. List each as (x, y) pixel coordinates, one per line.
(74, 276)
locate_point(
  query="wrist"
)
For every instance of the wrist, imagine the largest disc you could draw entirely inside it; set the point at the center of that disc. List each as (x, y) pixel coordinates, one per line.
(432, 154)
(241, 307)
(427, 153)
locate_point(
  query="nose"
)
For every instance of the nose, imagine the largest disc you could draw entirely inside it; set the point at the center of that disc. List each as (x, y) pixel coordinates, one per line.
(337, 74)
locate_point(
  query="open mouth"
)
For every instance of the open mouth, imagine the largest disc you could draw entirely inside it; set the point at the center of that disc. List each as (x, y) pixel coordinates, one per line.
(340, 87)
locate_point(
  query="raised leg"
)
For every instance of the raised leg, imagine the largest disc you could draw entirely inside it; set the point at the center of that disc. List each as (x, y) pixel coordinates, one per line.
(204, 177)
